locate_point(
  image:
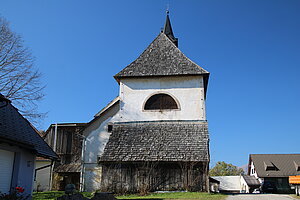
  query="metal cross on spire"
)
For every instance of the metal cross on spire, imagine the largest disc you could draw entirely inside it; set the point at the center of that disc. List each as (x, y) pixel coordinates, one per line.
(168, 29)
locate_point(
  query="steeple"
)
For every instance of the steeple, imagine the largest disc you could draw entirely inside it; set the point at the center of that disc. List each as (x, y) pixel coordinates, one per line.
(168, 30)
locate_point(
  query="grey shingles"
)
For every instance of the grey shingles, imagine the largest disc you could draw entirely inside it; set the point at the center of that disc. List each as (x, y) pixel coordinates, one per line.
(158, 141)
(16, 129)
(284, 163)
(161, 58)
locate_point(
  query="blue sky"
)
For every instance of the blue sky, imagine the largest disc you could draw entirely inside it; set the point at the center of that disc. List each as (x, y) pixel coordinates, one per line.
(250, 47)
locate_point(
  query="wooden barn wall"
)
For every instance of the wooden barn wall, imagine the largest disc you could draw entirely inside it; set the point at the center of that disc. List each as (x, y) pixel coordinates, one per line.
(68, 143)
(153, 176)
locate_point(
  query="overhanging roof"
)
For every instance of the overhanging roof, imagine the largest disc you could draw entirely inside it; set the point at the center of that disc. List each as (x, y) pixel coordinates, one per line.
(251, 180)
(16, 130)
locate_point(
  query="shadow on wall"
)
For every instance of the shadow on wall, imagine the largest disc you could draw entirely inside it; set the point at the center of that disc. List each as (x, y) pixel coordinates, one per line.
(164, 83)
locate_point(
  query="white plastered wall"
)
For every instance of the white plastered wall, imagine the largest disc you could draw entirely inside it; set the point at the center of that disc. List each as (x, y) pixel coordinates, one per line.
(244, 186)
(42, 182)
(96, 138)
(252, 170)
(254, 173)
(188, 91)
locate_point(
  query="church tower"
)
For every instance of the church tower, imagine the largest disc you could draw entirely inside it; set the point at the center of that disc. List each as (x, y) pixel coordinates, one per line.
(157, 137)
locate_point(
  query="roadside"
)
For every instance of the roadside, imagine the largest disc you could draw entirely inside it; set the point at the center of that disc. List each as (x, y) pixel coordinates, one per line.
(177, 195)
(52, 195)
(260, 197)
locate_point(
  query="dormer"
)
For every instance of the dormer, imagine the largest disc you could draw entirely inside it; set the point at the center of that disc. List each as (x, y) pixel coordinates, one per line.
(269, 166)
(297, 165)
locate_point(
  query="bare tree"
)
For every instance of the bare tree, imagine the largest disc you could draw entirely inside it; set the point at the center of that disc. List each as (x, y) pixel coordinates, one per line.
(19, 80)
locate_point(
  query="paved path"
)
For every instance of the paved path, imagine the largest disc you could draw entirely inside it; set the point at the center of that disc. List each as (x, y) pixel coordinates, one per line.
(259, 197)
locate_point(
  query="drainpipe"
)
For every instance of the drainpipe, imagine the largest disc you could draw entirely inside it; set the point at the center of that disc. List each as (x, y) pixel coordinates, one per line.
(54, 148)
(55, 136)
(82, 163)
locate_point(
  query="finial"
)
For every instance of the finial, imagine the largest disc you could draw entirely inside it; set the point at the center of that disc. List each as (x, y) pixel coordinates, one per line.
(168, 29)
(167, 11)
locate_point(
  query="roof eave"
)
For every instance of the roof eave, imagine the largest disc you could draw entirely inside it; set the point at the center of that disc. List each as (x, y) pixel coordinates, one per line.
(118, 78)
(3, 98)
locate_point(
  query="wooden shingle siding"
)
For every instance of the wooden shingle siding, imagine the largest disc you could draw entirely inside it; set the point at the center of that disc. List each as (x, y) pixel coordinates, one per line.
(158, 141)
(154, 176)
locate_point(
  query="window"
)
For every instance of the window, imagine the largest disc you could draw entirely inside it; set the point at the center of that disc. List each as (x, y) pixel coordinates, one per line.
(109, 128)
(160, 102)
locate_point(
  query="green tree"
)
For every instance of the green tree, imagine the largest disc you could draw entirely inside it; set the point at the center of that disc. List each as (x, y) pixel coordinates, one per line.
(224, 169)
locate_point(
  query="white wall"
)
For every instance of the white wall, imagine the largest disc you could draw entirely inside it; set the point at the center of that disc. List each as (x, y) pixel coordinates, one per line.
(42, 182)
(188, 91)
(94, 146)
(244, 186)
(254, 173)
(252, 170)
(96, 138)
(229, 183)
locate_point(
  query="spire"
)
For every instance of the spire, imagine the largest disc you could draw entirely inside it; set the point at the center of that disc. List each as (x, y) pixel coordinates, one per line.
(168, 30)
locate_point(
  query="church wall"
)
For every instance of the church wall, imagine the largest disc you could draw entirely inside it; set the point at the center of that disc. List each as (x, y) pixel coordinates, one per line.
(188, 91)
(96, 138)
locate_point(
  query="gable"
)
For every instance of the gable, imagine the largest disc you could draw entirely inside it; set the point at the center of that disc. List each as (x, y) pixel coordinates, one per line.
(161, 58)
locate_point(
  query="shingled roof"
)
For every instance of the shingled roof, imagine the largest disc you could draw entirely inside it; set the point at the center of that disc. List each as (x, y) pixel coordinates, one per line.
(157, 141)
(276, 165)
(16, 130)
(161, 58)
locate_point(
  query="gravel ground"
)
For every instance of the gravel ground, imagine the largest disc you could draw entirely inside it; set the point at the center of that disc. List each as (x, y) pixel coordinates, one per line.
(259, 197)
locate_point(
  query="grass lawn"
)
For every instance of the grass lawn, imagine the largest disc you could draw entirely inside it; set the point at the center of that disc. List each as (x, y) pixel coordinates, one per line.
(172, 195)
(295, 196)
(177, 195)
(52, 195)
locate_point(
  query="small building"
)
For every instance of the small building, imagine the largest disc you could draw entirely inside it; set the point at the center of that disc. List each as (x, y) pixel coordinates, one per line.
(66, 140)
(20, 144)
(229, 184)
(275, 168)
(236, 184)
